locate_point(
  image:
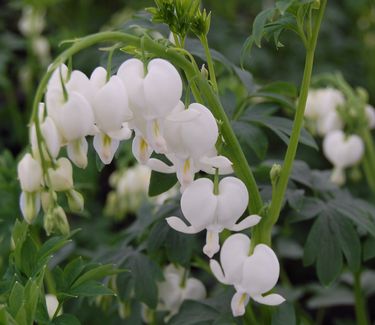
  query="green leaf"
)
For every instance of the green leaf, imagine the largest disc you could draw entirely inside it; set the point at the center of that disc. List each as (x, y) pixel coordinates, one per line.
(19, 235)
(369, 249)
(259, 23)
(283, 5)
(282, 127)
(91, 289)
(284, 314)
(95, 273)
(349, 241)
(324, 248)
(16, 298)
(66, 319)
(160, 183)
(179, 247)
(251, 137)
(72, 270)
(194, 313)
(145, 273)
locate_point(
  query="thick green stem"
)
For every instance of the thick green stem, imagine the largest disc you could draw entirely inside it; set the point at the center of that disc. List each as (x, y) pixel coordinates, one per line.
(278, 197)
(238, 158)
(360, 306)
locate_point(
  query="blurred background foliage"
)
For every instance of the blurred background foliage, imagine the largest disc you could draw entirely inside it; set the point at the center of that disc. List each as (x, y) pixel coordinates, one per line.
(347, 44)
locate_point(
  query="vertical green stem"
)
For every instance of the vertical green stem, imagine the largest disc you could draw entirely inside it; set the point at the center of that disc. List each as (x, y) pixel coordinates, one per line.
(277, 200)
(210, 64)
(360, 307)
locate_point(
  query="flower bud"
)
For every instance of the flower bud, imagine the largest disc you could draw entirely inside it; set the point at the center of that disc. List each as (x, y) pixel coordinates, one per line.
(48, 200)
(30, 205)
(29, 173)
(275, 174)
(55, 221)
(61, 178)
(75, 200)
(52, 304)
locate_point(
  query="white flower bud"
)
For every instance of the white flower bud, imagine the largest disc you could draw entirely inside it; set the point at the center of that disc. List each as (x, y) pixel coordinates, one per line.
(76, 201)
(61, 178)
(29, 173)
(370, 114)
(30, 205)
(52, 304)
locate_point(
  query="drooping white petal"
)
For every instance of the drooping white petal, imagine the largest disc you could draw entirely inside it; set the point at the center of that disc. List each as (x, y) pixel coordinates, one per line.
(212, 243)
(198, 203)
(29, 173)
(105, 147)
(218, 272)
(77, 152)
(232, 264)
(238, 303)
(179, 225)
(110, 105)
(233, 201)
(30, 205)
(162, 88)
(248, 222)
(141, 150)
(260, 271)
(54, 81)
(209, 164)
(270, 300)
(61, 178)
(159, 166)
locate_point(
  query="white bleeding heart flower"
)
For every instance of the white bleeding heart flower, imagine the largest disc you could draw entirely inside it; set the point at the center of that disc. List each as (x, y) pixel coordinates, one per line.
(49, 133)
(342, 151)
(29, 174)
(154, 94)
(214, 212)
(191, 136)
(111, 110)
(322, 101)
(252, 276)
(174, 290)
(370, 114)
(61, 178)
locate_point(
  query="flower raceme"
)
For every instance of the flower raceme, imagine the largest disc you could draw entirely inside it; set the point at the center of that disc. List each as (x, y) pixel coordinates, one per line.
(214, 212)
(252, 276)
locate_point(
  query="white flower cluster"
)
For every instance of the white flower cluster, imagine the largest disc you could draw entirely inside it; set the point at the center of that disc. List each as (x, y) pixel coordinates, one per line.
(174, 290)
(145, 100)
(341, 149)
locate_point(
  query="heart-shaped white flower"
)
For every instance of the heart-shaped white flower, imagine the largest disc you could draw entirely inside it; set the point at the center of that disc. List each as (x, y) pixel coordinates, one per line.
(153, 94)
(252, 276)
(342, 151)
(214, 212)
(61, 177)
(111, 109)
